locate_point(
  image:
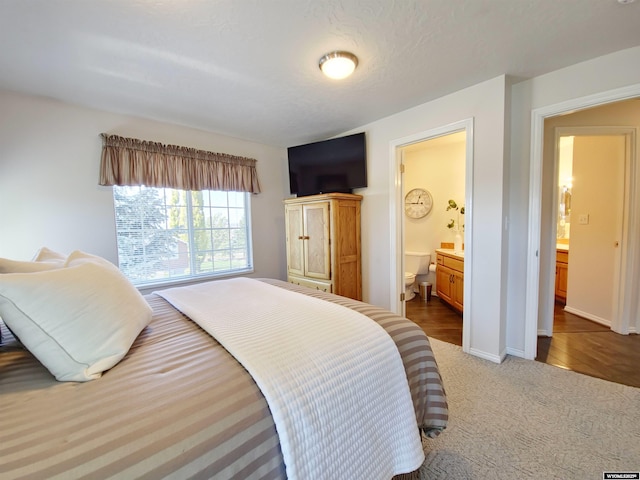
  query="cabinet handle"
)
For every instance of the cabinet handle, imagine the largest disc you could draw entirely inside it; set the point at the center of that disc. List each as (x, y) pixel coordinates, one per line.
(303, 237)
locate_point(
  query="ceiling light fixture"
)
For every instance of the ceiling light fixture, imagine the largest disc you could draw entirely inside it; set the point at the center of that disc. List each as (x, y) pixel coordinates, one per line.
(338, 65)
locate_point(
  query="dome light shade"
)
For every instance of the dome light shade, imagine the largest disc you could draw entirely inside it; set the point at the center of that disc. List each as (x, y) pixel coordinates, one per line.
(338, 65)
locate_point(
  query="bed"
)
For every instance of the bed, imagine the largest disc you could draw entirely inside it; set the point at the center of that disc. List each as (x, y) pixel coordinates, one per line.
(177, 405)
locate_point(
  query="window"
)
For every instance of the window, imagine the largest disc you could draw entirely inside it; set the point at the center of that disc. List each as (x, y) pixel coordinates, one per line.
(166, 235)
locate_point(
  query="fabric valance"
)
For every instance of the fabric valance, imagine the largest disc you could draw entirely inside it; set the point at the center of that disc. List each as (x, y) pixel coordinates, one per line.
(129, 161)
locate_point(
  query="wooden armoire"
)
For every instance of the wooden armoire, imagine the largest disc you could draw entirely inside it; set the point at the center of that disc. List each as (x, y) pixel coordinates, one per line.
(323, 243)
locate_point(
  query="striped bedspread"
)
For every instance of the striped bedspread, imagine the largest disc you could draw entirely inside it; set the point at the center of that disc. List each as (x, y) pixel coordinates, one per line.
(177, 406)
(332, 378)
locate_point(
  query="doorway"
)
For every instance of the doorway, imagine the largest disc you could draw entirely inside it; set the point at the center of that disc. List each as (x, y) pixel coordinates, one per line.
(542, 241)
(398, 214)
(590, 212)
(433, 169)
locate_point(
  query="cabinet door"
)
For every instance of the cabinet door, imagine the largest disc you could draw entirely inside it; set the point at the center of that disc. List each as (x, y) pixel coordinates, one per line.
(443, 283)
(294, 241)
(317, 256)
(562, 270)
(457, 290)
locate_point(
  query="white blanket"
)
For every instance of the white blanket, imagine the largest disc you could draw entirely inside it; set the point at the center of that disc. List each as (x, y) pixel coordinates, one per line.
(333, 378)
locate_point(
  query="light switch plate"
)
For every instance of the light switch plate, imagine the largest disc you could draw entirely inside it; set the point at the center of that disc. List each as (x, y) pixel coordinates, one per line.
(583, 219)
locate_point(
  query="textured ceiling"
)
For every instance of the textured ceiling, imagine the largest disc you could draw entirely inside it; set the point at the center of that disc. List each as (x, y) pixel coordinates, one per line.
(248, 68)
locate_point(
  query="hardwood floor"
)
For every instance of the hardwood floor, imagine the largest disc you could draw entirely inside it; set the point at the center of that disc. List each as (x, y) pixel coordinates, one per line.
(436, 318)
(577, 344)
(590, 348)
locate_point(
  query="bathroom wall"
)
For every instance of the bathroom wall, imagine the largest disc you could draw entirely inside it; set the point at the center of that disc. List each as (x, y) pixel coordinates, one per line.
(437, 165)
(598, 195)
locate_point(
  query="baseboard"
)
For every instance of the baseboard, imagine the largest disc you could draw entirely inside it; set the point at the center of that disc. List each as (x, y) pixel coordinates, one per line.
(515, 352)
(588, 316)
(543, 333)
(487, 356)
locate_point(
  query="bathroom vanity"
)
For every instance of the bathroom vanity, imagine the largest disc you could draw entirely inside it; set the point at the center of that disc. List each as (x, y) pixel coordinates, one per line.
(450, 277)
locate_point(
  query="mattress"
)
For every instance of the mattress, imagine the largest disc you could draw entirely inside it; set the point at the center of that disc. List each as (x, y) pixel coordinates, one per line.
(177, 406)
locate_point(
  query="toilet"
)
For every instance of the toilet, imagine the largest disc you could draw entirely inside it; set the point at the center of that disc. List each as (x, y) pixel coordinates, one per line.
(415, 263)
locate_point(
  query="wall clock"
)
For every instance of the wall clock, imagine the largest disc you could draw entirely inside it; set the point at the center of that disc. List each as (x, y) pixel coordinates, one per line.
(417, 203)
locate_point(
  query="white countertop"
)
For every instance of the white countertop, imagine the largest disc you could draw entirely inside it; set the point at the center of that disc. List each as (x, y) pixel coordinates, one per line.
(451, 251)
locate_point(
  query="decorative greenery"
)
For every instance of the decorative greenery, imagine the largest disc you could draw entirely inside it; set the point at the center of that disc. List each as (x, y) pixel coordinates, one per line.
(454, 206)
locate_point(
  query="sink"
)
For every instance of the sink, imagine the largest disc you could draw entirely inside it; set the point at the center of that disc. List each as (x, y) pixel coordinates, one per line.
(458, 253)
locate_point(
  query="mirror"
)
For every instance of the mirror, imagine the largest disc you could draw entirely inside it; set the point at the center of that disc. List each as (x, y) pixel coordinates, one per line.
(564, 211)
(565, 171)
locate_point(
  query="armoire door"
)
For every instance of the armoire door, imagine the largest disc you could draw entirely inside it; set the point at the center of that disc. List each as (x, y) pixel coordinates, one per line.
(317, 256)
(295, 239)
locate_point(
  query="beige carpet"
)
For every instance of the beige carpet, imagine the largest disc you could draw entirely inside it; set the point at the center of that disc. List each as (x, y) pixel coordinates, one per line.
(525, 419)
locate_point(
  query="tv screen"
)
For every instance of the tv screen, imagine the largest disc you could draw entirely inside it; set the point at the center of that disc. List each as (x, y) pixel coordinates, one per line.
(336, 165)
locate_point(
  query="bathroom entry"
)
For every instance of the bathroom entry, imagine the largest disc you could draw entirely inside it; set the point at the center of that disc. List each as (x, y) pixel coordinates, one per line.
(590, 217)
(435, 169)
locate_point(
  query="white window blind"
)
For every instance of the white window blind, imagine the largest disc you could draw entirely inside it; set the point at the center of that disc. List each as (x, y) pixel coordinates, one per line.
(166, 235)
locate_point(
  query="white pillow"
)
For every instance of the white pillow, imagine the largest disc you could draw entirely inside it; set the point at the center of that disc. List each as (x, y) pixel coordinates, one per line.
(47, 255)
(17, 266)
(44, 259)
(79, 320)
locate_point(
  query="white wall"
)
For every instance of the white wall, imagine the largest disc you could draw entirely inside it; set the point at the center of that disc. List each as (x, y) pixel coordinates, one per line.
(602, 74)
(49, 192)
(439, 168)
(50, 195)
(502, 122)
(485, 103)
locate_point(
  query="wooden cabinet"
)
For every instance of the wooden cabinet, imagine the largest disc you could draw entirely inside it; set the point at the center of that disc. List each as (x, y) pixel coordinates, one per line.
(450, 279)
(562, 270)
(323, 243)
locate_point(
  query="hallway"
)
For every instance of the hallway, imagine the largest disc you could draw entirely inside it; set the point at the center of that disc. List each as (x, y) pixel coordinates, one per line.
(577, 344)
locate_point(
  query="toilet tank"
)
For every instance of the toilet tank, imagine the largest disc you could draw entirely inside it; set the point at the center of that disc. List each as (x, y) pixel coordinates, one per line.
(417, 262)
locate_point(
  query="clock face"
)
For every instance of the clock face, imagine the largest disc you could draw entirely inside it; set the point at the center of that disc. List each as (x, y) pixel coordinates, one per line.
(417, 203)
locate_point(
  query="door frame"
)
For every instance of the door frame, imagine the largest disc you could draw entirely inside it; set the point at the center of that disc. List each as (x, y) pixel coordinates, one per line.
(396, 217)
(534, 243)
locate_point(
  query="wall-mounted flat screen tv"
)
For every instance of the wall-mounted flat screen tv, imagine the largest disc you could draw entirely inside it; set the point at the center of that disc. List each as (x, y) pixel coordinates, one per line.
(335, 165)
